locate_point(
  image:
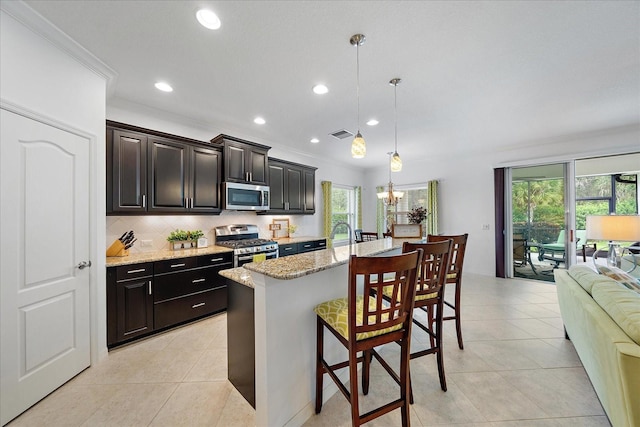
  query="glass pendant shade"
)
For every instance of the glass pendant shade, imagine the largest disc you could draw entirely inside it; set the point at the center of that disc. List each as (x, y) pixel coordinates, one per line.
(358, 147)
(396, 162)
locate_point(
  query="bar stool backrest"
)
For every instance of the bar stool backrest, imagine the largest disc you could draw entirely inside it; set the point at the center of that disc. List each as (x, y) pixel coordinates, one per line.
(457, 253)
(434, 267)
(399, 274)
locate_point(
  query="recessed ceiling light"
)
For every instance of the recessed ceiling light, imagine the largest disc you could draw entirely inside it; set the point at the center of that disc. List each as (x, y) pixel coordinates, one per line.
(259, 121)
(208, 19)
(372, 122)
(320, 89)
(314, 140)
(165, 87)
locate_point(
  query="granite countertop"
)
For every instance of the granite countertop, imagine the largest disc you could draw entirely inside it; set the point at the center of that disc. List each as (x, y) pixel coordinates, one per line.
(240, 275)
(300, 265)
(162, 255)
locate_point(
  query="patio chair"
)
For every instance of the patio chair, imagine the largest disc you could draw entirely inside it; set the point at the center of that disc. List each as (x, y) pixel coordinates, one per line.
(555, 252)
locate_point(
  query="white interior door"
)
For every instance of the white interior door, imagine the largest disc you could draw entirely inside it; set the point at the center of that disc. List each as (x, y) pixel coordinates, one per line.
(44, 229)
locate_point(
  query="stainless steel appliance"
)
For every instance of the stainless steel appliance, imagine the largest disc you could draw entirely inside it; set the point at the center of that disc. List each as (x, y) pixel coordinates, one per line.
(243, 239)
(245, 197)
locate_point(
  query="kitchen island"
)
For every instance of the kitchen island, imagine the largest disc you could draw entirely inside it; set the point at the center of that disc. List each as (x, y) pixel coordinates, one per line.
(285, 291)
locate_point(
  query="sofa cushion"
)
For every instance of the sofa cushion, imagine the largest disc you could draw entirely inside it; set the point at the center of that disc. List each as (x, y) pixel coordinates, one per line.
(621, 304)
(620, 276)
(586, 277)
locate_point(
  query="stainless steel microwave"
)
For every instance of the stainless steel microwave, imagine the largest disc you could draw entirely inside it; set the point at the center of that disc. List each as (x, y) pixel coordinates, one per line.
(245, 197)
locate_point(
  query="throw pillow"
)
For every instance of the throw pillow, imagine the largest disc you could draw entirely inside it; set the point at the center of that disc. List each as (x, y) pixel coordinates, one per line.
(620, 276)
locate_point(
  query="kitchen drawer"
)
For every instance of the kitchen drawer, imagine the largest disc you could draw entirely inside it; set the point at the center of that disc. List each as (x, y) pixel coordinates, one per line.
(288, 249)
(134, 271)
(175, 285)
(176, 264)
(169, 313)
(313, 245)
(216, 259)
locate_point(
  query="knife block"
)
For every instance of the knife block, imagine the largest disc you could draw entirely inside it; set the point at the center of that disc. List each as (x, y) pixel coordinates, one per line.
(117, 249)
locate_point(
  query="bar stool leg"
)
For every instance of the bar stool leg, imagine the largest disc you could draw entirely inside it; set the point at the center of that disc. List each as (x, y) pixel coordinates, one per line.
(319, 367)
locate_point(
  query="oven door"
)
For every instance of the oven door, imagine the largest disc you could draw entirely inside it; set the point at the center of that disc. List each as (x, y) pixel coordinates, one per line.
(240, 260)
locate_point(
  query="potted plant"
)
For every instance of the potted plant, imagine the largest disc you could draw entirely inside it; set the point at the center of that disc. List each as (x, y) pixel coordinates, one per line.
(181, 239)
(292, 229)
(417, 215)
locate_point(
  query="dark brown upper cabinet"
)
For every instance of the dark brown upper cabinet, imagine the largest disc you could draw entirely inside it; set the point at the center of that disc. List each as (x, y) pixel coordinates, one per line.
(292, 188)
(126, 171)
(244, 161)
(153, 172)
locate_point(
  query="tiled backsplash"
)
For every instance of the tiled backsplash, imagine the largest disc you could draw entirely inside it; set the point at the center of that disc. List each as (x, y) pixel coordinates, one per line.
(156, 228)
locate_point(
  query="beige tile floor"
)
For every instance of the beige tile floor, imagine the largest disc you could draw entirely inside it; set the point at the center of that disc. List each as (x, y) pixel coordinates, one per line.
(516, 370)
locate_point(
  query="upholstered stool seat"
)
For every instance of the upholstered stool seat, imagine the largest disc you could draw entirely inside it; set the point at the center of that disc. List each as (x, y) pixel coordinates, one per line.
(335, 313)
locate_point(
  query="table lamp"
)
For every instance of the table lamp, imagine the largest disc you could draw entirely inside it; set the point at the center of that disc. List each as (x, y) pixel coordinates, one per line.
(614, 228)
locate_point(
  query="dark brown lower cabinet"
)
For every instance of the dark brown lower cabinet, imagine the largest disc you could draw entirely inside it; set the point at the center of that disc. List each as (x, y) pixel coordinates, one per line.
(129, 302)
(147, 298)
(241, 348)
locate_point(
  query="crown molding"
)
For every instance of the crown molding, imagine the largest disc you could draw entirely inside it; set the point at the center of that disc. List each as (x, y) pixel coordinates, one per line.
(41, 26)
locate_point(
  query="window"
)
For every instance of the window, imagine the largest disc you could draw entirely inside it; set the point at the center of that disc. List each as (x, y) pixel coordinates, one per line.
(343, 208)
(414, 195)
(605, 194)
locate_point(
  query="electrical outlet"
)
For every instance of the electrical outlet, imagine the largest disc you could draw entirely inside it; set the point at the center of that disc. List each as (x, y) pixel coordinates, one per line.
(146, 243)
(485, 226)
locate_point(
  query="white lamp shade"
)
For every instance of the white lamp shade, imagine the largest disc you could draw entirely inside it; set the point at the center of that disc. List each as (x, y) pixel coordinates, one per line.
(358, 147)
(620, 228)
(396, 162)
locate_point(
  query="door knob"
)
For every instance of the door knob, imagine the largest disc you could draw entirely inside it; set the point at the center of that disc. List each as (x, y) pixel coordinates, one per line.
(84, 264)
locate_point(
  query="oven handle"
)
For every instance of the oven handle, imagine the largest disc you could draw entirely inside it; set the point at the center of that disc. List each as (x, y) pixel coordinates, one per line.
(268, 254)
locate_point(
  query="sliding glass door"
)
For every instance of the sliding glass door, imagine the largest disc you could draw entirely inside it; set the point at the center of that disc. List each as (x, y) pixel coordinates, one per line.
(540, 234)
(541, 211)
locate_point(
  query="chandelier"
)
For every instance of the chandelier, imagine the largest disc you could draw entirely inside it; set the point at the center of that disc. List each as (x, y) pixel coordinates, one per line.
(390, 197)
(358, 147)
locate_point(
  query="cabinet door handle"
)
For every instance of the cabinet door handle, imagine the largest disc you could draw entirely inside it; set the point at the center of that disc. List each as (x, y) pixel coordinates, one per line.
(177, 265)
(198, 280)
(144, 200)
(191, 202)
(216, 259)
(307, 246)
(140, 270)
(149, 287)
(197, 305)
(288, 249)
(250, 176)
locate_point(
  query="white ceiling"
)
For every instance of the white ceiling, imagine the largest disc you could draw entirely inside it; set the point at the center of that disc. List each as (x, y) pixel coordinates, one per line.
(476, 75)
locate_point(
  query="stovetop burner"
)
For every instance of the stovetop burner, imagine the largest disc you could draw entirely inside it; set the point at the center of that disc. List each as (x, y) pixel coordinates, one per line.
(243, 238)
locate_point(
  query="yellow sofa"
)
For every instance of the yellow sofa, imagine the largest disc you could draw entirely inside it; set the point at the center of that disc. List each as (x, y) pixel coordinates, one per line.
(602, 320)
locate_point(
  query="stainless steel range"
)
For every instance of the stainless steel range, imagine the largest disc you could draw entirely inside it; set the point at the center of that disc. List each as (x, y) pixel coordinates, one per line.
(246, 245)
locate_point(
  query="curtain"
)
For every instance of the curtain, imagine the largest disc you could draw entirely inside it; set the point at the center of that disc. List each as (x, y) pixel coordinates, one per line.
(358, 193)
(432, 207)
(380, 216)
(326, 207)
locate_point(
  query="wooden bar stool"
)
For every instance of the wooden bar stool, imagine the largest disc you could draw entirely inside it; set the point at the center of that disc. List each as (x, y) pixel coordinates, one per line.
(430, 297)
(362, 321)
(454, 276)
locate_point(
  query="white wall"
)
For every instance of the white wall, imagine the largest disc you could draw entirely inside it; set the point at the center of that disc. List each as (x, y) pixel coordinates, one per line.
(43, 71)
(466, 183)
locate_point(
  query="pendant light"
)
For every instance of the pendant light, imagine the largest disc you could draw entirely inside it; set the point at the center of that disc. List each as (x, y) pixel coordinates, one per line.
(390, 197)
(396, 162)
(358, 147)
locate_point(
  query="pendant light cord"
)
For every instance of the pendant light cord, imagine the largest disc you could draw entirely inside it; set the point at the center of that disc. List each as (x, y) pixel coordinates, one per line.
(358, 81)
(395, 114)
